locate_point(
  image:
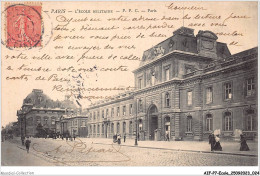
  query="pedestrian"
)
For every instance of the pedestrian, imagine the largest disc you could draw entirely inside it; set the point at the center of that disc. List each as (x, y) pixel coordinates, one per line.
(217, 146)
(66, 137)
(124, 137)
(74, 136)
(22, 138)
(212, 141)
(62, 136)
(243, 146)
(27, 144)
(119, 139)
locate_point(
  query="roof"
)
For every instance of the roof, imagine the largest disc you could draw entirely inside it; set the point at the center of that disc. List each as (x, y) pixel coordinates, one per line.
(183, 39)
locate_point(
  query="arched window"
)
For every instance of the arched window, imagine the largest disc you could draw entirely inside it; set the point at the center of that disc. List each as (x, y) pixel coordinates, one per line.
(167, 99)
(228, 121)
(38, 120)
(53, 120)
(45, 121)
(112, 128)
(250, 120)
(189, 124)
(209, 122)
(124, 127)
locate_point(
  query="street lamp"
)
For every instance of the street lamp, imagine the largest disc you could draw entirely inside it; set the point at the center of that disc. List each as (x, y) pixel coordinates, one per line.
(136, 123)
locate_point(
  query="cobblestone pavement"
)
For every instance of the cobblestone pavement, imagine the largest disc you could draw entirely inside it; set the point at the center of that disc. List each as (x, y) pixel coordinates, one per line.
(11, 155)
(85, 152)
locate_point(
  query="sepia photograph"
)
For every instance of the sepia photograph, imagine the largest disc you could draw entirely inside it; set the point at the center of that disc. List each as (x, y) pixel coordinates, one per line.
(128, 83)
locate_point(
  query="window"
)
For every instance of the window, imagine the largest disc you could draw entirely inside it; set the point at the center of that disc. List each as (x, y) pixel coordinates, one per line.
(228, 91)
(209, 95)
(118, 111)
(75, 122)
(90, 115)
(53, 120)
(107, 113)
(94, 128)
(140, 125)
(102, 128)
(250, 122)
(30, 121)
(118, 128)
(227, 121)
(209, 122)
(90, 129)
(189, 124)
(130, 127)
(250, 87)
(167, 99)
(124, 127)
(98, 114)
(131, 109)
(112, 128)
(140, 83)
(98, 129)
(112, 112)
(124, 110)
(140, 105)
(152, 77)
(167, 74)
(189, 98)
(103, 115)
(45, 120)
(94, 115)
(38, 120)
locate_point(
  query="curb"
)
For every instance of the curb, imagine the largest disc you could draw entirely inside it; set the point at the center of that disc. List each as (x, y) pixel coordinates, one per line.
(181, 150)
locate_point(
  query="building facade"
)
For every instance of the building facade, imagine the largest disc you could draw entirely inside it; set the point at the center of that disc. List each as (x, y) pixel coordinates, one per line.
(39, 112)
(187, 86)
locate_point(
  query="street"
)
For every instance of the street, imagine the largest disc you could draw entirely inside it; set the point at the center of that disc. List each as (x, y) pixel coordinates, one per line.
(88, 152)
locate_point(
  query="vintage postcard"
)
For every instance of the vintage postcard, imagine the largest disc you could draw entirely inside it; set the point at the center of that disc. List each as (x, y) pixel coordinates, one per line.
(130, 84)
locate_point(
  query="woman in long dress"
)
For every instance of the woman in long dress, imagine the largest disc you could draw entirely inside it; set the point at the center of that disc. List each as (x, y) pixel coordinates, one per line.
(243, 146)
(217, 146)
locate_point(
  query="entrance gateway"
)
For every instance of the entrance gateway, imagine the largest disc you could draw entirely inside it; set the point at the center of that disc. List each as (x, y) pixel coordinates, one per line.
(153, 123)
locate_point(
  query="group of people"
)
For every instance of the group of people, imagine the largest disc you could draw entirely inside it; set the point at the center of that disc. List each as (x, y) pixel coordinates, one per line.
(117, 138)
(214, 142)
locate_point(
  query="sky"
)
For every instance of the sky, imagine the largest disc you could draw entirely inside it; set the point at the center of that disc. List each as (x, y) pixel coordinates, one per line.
(239, 17)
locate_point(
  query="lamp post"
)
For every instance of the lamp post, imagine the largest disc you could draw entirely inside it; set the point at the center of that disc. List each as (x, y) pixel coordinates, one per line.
(136, 132)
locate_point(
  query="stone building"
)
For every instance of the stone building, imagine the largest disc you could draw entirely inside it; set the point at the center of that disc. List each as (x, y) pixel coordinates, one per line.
(74, 125)
(187, 86)
(40, 110)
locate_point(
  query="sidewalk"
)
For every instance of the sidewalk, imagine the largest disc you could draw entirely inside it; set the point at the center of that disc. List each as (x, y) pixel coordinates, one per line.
(231, 148)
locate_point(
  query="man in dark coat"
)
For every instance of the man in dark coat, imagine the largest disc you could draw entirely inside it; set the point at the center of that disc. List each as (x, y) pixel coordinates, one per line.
(212, 141)
(27, 144)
